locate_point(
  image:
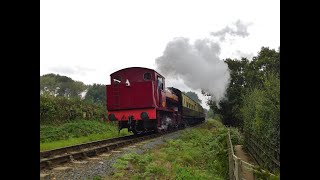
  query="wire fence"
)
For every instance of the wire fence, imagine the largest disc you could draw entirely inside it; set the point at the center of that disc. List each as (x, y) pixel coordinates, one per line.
(238, 167)
(264, 153)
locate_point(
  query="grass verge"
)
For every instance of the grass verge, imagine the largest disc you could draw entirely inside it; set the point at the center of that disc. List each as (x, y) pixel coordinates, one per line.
(77, 132)
(200, 153)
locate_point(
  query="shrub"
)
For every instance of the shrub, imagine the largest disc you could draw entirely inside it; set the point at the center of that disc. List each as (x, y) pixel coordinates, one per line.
(59, 110)
(261, 111)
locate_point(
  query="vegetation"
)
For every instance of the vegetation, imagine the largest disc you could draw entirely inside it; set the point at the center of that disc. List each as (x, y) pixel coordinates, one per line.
(62, 86)
(252, 100)
(96, 93)
(60, 110)
(261, 111)
(77, 132)
(200, 153)
(72, 112)
(252, 104)
(62, 99)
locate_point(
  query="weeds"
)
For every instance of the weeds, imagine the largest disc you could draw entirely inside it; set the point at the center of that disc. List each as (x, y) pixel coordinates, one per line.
(200, 153)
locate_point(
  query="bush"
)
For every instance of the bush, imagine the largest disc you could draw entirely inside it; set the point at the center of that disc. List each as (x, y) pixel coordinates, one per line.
(236, 136)
(261, 111)
(59, 110)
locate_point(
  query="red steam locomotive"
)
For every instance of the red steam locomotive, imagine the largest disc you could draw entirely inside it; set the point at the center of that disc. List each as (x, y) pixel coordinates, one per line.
(138, 100)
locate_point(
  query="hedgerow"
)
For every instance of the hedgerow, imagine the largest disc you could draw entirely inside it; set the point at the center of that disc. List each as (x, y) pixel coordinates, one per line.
(57, 110)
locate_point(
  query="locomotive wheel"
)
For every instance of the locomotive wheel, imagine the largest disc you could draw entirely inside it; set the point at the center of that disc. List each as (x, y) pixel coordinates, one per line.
(135, 132)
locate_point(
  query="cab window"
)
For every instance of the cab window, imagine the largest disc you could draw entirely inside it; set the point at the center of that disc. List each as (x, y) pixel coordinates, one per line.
(147, 76)
(117, 79)
(160, 83)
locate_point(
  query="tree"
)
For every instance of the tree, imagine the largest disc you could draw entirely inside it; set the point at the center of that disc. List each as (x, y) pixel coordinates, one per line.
(261, 111)
(245, 76)
(252, 100)
(63, 86)
(48, 84)
(96, 93)
(228, 107)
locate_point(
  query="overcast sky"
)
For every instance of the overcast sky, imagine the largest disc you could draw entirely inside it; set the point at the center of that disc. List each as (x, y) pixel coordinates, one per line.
(88, 40)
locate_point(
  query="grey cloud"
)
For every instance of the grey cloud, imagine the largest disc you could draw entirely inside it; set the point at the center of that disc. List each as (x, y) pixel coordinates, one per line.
(240, 54)
(62, 69)
(71, 70)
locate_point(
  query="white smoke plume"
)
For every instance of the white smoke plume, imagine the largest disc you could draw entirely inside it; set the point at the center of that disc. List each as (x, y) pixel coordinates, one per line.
(165, 123)
(199, 64)
(240, 30)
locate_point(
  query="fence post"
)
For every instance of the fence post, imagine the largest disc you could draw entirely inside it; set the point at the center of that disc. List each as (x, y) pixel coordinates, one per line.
(230, 157)
(231, 164)
(239, 168)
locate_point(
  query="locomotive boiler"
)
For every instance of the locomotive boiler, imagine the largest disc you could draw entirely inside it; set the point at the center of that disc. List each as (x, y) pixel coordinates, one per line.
(138, 100)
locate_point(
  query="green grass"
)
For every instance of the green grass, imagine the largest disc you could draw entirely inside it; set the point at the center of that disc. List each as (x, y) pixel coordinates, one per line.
(77, 132)
(74, 141)
(200, 153)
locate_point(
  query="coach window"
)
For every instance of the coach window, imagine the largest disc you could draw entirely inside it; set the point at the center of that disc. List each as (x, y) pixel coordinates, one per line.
(147, 76)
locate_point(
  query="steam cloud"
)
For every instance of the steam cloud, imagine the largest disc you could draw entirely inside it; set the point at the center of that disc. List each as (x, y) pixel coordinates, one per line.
(241, 30)
(199, 64)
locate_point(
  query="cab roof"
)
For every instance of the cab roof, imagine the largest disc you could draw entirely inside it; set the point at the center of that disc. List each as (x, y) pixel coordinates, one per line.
(135, 68)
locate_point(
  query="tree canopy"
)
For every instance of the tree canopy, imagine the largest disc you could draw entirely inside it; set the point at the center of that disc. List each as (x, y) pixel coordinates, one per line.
(62, 86)
(246, 76)
(252, 100)
(60, 99)
(96, 93)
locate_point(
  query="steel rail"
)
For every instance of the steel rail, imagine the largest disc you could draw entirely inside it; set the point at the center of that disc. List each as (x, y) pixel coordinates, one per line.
(82, 151)
(52, 158)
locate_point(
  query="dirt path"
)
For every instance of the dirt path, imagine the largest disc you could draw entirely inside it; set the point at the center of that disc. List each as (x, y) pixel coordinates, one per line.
(239, 152)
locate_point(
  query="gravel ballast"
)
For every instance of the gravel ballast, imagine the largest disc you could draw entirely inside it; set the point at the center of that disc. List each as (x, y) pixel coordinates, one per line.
(102, 165)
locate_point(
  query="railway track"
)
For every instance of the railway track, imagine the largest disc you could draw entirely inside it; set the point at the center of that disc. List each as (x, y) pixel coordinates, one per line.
(52, 158)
